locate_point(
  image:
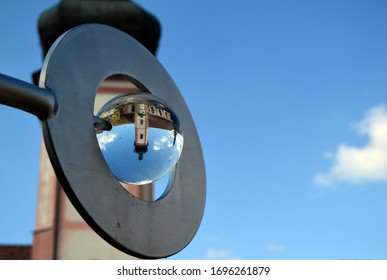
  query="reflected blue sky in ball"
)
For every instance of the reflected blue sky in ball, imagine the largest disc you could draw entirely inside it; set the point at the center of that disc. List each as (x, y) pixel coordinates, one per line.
(118, 148)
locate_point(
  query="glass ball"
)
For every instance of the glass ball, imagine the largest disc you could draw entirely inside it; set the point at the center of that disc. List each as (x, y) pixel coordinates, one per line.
(145, 141)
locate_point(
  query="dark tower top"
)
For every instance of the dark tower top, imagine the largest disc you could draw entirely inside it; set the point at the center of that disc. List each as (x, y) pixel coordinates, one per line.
(121, 14)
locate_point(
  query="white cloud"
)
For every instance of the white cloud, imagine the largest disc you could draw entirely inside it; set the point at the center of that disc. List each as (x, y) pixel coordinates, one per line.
(216, 254)
(361, 164)
(275, 248)
(105, 138)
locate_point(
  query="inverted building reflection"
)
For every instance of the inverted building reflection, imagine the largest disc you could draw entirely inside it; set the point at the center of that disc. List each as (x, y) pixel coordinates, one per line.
(153, 131)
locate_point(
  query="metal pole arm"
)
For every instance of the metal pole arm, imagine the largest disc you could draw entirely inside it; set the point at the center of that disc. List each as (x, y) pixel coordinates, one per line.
(27, 97)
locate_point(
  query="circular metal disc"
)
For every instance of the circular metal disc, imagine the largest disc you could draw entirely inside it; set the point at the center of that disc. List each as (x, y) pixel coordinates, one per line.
(74, 68)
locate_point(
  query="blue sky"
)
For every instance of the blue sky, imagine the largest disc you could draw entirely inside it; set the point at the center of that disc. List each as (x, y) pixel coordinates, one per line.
(290, 102)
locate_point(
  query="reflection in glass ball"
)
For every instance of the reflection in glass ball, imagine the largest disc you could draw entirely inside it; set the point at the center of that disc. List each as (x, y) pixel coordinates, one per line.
(145, 141)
